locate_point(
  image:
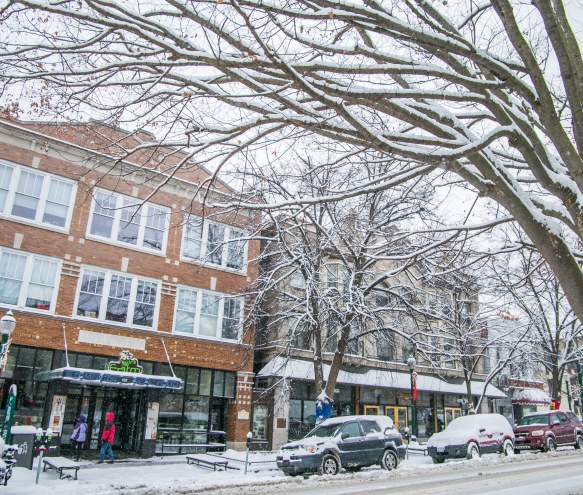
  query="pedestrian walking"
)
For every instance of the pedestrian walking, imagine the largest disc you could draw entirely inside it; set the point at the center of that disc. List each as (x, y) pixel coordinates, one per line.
(107, 438)
(79, 435)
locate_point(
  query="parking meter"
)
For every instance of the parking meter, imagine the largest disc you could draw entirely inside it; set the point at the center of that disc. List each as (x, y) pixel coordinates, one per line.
(249, 440)
(42, 440)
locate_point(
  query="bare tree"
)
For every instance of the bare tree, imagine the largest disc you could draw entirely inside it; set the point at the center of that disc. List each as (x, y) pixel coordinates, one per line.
(491, 93)
(555, 334)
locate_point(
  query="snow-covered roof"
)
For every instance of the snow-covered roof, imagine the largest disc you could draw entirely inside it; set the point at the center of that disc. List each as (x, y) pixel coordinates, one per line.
(530, 396)
(304, 370)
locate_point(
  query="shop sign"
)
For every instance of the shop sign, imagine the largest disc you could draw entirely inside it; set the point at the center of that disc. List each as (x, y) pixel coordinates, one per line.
(152, 420)
(127, 363)
(57, 413)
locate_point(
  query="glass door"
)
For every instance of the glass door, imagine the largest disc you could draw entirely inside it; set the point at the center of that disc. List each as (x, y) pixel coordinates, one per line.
(451, 413)
(399, 416)
(368, 410)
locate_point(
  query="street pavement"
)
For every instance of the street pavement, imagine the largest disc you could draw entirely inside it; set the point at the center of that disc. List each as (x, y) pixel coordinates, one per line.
(540, 475)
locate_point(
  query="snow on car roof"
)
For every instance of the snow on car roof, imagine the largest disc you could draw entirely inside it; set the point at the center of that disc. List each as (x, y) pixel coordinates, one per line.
(383, 421)
(475, 421)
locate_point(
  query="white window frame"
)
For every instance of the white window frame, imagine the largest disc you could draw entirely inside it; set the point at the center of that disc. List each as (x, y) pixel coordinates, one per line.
(21, 303)
(203, 260)
(105, 295)
(196, 328)
(143, 211)
(42, 200)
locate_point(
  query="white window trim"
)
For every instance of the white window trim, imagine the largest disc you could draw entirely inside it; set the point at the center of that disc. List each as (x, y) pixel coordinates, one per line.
(105, 295)
(143, 208)
(37, 222)
(196, 326)
(202, 261)
(21, 304)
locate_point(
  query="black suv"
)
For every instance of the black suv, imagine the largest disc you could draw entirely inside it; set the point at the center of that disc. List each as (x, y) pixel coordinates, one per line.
(351, 442)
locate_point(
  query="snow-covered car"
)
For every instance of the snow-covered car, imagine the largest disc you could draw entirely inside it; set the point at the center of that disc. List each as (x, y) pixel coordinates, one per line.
(471, 436)
(349, 442)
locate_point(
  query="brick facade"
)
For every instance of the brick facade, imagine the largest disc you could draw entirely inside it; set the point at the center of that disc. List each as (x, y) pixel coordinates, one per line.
(67, 154)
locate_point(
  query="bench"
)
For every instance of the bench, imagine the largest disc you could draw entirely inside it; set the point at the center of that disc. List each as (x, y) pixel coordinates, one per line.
(60, 464)
(199, 460)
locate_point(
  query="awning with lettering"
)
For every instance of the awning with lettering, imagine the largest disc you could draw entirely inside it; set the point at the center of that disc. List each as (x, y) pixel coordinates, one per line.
(299, 369)
(108, 378)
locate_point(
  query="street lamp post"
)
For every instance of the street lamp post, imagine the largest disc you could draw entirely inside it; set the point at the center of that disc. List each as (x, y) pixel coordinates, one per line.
(7, 325)
(411, 362)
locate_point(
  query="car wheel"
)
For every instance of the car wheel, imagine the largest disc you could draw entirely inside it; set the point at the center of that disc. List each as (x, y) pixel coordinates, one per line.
(473, 451)
(389, 460)
(507, 448)
(330, 465)
(579, 442)
(551, 445)
(438, 460)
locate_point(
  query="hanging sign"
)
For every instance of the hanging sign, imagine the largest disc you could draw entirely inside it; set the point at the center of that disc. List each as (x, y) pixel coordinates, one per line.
(57, 413)
(127, 363)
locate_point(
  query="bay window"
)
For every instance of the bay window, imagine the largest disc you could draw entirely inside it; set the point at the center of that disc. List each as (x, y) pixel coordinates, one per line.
(27, 280)
(214, 243)
(207, 314)
(117, 297)
(128, 221)
(35, 196)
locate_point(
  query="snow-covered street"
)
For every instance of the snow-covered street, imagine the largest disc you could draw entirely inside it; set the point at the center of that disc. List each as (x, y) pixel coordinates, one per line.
(549, 474)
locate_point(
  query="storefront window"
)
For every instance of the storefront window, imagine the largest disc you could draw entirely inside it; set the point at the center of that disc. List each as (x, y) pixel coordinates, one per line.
(196, 412)
(205, 382)
(260, 417)
(192, 381)
(229, 385)
(170, 416)
(219, 384)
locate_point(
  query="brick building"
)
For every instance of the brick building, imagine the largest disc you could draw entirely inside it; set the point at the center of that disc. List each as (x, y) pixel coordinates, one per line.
(102, 253)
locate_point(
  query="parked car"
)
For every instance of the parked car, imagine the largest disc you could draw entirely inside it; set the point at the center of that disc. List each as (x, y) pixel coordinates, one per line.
(349, 442)
(547, 430)
(471, 436)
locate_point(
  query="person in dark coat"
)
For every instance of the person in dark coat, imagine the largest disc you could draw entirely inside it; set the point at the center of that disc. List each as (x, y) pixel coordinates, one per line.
(79, 435)
(107, 438)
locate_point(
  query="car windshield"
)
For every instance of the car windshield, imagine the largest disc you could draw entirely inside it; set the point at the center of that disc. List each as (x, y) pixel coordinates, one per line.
(324, 430)
(534, 420)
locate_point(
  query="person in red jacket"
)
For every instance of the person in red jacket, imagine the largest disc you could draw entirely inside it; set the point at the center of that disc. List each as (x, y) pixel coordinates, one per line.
(107, 438)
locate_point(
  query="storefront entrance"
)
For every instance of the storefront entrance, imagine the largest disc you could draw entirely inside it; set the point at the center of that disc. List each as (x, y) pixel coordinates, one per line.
(399, 416)
(94, 403)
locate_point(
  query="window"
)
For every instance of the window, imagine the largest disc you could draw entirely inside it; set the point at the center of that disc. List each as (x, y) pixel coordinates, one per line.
(214, 243)
(231, 318)
(335, 275)
(116, 297)
(385, 347)
(371, 427)
(299, 334)
(351, 429)
(297, 280)
(27, 280)
(207, 314)
(35, 196)
(185, 310)
(129, 221)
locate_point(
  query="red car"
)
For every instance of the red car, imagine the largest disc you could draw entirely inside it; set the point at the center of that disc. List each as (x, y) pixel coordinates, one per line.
(548, 430)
